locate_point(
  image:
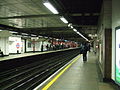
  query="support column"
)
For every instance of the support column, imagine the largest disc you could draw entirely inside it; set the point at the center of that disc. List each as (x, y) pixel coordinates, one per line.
(108, 55)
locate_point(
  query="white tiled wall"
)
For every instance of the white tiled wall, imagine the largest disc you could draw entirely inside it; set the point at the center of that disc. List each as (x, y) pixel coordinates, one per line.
(4, 45)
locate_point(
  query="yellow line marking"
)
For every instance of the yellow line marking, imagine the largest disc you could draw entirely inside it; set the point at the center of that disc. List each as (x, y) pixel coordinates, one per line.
(54, 79)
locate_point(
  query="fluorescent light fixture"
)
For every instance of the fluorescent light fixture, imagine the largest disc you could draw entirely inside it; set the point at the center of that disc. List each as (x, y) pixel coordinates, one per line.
(63, 19)
(50, 7)
(24, 34)
(40, 36)
(82, 36)
(71, 26)
(90, 35)
(33, 35)
(50, 37)
(87, 39)
(75, 30)
(45, 37)
(14, 35)
(13, 32)
(95, 35)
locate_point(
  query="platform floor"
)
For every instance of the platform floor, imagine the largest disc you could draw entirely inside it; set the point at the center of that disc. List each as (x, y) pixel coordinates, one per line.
(80, 76)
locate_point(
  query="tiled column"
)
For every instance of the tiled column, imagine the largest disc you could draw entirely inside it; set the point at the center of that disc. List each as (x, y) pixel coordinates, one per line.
(108, 54)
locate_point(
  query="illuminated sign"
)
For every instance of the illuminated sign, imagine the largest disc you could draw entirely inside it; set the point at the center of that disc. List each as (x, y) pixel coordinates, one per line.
(117, 51)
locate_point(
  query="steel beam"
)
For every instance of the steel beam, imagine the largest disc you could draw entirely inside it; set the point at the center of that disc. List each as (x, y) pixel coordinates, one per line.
(51, 15)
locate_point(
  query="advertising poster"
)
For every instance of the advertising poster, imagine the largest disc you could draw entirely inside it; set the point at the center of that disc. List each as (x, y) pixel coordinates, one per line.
(117, 73)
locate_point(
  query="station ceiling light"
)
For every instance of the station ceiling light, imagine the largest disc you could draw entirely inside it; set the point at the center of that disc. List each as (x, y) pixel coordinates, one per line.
(63, 19)
(71, 27)
(40, 36)
(33, 35)
(13, 32)
(80, 34)
(83, 36)
(50, 7)
(45, 37)
(24, 34)
(75, 30)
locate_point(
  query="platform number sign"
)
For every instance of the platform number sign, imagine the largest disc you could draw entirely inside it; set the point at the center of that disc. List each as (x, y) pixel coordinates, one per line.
(117, 54)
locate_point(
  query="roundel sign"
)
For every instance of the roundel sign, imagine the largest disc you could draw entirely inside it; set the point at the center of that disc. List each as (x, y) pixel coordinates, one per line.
(17, 45)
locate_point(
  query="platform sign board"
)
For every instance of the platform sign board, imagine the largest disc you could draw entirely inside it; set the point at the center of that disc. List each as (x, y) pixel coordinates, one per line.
(117, 54)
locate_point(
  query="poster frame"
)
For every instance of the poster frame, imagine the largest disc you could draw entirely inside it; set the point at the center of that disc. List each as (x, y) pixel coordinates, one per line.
(117, 28)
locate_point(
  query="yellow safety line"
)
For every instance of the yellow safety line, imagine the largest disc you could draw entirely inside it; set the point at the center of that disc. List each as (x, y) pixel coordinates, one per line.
(54, 79)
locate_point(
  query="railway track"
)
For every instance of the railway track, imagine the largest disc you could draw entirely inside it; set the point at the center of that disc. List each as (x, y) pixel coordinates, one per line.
(29, 76)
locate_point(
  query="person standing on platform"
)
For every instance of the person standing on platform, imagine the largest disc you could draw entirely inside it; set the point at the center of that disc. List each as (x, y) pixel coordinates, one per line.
(42, 48)
(88, 46)
(84, 48)
(47, 47)
(1, 52)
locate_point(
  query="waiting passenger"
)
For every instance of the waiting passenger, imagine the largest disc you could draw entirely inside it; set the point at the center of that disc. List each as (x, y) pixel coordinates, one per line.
(1, 53)
(84, 50)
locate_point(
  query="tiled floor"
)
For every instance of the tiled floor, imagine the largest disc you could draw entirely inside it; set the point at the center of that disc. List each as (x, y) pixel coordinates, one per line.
(81, 76)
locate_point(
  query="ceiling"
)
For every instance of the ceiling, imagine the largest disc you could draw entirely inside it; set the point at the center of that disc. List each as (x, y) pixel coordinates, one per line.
(32, 17)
